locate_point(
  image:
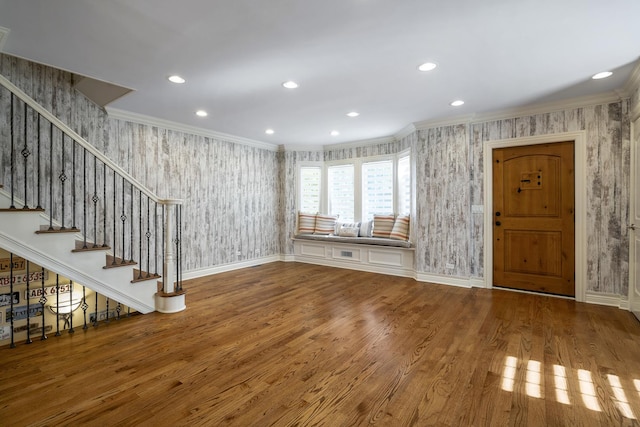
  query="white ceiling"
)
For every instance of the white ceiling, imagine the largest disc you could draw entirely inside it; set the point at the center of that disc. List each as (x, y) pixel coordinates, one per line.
(346, 55)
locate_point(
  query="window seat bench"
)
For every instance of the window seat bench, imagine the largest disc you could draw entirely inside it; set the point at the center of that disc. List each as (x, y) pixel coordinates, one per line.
(378, 241)
(372, 254)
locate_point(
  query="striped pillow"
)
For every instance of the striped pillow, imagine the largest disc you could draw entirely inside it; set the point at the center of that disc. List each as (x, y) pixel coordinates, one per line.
(382, 225)
(325, 224)
(306, 223)
(365, 229)
(400, 228)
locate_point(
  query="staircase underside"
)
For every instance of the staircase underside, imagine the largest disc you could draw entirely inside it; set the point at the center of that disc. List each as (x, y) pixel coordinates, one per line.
(22, 233)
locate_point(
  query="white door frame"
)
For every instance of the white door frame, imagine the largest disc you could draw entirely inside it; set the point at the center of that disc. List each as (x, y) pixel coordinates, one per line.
(634, 295)
(580, 182)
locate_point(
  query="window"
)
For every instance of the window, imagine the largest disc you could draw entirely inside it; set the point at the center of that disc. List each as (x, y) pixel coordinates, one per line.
(377, 188)
(357, 189)
(341, 191)
(310, 186)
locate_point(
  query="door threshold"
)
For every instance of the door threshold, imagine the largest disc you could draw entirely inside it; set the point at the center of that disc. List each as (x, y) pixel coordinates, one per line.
(542, 294)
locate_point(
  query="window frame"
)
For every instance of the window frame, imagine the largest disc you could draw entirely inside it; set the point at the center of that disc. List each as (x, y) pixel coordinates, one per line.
(310, 164)
(358, 181)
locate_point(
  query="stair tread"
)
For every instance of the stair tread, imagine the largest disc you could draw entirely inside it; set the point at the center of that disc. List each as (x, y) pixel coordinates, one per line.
(90, 247)
(141, 276)
(21, 210)
(115, 262)
(45, 229)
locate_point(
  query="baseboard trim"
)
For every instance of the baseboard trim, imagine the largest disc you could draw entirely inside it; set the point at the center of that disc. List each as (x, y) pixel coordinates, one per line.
(208, 271)
(611, 300)
(459, 282)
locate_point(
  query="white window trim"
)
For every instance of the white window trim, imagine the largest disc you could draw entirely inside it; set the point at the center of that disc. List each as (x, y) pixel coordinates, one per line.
(396, 182)
(323, 183)
(357, 170)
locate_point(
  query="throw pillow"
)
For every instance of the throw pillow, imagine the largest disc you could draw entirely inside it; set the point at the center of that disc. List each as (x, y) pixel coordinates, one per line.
(348, 232)
(365, 229)
(382, 225)
(339, 225)
(306, 223)
(325, 224)
(400, 229)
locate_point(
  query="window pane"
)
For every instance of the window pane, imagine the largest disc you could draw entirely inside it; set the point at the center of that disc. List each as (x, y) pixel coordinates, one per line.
(310, 179)
(377, 188)
(404, 185)
(341, 192)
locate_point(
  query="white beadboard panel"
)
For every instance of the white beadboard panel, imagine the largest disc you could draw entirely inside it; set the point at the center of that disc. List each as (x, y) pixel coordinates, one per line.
(608, 142)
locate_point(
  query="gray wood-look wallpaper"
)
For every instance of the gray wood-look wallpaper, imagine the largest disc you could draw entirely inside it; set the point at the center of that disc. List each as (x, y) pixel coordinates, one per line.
(442, 201)
(242, 198)
(608, 159)
(232, 192)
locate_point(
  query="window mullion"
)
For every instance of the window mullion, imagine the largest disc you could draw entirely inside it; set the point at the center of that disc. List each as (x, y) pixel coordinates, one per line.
(358, 193)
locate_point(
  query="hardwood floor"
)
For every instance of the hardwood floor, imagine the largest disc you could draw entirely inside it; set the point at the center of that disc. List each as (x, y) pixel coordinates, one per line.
(294, 344)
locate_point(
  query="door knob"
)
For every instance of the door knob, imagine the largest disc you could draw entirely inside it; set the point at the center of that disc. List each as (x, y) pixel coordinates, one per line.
(498, 223)
(632, 227)
(497, 213)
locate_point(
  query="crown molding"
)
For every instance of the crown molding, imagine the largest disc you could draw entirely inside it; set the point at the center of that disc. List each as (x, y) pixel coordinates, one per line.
(128, 116)
(360, 143)
(301, 147)
(4, 35)
(550, 107)
(614, 96)
(452, 121)
(404, 132)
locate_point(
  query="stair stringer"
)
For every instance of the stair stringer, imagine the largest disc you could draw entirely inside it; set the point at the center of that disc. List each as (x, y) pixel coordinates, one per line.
(53, 251)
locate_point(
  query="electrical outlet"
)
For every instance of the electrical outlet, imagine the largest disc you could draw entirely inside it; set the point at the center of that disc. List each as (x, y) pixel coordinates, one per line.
(450, 266)
(238, 253)
(477, 209)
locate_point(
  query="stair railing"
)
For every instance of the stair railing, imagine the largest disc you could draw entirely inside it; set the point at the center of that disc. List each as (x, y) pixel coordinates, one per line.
(53, 168)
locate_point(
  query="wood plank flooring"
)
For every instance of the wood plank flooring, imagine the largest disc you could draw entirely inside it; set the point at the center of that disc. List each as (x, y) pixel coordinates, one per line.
(289, 344)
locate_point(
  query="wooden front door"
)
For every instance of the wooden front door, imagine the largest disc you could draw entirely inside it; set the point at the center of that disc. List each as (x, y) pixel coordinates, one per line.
(533, 218)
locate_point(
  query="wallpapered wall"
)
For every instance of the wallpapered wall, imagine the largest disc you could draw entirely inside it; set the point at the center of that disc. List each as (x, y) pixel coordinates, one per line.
(449, 181)
(241, 198)
(231, 191)
(608, 158)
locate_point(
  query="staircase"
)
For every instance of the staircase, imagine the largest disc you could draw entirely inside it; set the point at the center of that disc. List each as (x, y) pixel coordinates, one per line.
(68, 208)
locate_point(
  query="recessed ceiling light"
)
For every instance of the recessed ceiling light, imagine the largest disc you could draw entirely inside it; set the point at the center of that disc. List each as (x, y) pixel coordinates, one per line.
(427, 66)
(602, 75)
(335, 133)
(269, 131)
(201, 113)
(176, 79)
(457, 103)
(353, 114)
(290, 84)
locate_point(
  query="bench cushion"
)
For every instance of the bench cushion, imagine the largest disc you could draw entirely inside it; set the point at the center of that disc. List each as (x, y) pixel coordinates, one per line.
(380, 241)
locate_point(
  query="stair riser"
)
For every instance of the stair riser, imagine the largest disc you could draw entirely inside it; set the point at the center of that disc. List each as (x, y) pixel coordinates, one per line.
(53, 251)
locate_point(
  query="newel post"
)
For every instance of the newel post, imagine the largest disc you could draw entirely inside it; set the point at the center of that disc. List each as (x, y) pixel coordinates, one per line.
(171, 298)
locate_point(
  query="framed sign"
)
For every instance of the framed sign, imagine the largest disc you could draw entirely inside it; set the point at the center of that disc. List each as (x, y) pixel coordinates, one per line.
(21, 312)
(19, 264)
(48, 291)
(35, 276)
(5, 299)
